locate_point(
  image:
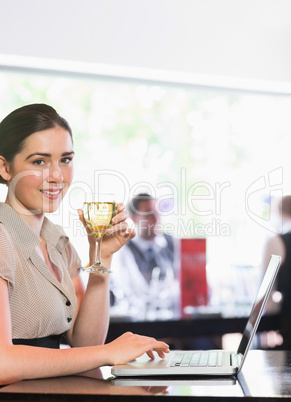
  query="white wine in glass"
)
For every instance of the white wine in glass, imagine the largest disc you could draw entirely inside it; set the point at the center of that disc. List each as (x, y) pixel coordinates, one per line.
(98, 215)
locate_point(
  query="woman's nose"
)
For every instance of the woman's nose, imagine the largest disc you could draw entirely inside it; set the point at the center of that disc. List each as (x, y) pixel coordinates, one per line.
(56, 175)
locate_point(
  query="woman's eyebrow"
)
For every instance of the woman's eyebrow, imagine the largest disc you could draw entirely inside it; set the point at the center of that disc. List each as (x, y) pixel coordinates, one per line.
(48, 155)
(68, 153)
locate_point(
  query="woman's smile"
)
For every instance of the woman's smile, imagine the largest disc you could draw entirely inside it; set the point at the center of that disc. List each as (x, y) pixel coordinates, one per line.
(42, 172)
(52, 194)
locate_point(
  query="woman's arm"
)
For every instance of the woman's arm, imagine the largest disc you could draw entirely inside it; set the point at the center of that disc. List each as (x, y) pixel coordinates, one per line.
(91, 325)
(19, 362)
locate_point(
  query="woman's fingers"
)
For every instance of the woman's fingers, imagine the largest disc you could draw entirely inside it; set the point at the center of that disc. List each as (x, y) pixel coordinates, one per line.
(150, 354)
(152, 344)
(89, 232)
(81, 214)
(82, 219)
(121, 215)
(122, 231)
(120, 207)
(129, 346)
(118, 228)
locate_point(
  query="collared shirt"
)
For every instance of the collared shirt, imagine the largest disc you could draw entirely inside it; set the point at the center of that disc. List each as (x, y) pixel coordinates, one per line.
(40, 305)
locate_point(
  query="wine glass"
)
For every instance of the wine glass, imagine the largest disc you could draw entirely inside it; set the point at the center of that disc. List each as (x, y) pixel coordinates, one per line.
(99, 209)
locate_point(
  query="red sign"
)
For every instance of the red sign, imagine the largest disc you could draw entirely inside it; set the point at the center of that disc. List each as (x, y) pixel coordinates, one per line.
(194, 290)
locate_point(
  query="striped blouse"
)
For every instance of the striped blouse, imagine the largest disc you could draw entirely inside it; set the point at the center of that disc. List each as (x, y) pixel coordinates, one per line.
(40, 305)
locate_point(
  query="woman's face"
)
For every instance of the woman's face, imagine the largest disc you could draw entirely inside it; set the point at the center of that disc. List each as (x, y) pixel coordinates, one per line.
(42, 172)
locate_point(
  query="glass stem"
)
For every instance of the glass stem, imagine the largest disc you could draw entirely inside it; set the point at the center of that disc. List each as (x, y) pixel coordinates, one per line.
(98, 251)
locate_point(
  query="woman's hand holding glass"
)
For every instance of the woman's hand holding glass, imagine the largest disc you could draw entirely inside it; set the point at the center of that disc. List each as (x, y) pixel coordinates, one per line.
(114, 238)
(118, 234)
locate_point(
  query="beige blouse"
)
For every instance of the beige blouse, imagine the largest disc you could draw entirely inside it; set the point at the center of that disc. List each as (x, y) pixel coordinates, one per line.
(40, 305)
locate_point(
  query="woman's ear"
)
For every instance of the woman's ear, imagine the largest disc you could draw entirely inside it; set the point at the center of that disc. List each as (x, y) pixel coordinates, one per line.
(4, 169)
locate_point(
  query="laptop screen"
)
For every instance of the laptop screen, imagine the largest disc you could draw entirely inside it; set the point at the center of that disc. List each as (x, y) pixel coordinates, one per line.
(259, 304)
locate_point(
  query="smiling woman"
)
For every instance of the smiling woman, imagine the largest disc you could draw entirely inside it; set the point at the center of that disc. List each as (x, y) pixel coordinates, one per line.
(41, 294)
(41, 172)
(39, 168)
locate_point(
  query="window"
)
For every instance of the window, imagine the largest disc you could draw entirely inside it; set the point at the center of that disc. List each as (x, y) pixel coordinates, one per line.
(215, 159)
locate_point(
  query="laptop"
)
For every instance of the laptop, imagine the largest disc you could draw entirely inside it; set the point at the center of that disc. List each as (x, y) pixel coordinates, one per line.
(207, 362)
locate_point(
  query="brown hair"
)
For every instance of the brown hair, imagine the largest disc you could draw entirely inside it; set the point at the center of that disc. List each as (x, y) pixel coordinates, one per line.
(21, 123)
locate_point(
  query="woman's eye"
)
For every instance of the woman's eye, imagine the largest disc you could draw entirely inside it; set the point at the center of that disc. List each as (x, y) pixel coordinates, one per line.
(38, 162)
(66, 160)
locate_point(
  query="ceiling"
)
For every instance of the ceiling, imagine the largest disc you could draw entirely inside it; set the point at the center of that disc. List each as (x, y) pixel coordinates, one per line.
(243, 43)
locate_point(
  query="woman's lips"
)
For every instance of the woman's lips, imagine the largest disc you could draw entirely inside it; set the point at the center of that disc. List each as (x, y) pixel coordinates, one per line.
(52, 194)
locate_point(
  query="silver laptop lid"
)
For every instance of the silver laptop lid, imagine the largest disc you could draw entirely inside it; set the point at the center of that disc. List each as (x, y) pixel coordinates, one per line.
(258, 306)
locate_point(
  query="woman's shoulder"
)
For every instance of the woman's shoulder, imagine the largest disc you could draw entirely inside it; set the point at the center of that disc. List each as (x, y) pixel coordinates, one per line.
(7, 254)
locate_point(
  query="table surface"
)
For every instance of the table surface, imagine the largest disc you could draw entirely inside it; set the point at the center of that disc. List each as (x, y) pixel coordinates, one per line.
(266, 375)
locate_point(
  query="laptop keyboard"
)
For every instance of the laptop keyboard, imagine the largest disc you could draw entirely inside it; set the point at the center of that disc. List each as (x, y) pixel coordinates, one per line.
(197, 359)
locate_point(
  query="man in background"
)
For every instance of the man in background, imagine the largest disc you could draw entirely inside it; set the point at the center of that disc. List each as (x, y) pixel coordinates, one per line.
(151, 248)
(146, 263)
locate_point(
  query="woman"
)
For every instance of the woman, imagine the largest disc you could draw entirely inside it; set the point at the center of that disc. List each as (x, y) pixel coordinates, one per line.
(41, 294)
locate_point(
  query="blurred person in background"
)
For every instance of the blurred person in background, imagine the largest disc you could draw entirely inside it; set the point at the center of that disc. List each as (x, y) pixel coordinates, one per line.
(280, 244)
(146, 263)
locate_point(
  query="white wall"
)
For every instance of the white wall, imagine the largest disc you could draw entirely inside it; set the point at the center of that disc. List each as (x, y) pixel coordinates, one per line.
(203, 41)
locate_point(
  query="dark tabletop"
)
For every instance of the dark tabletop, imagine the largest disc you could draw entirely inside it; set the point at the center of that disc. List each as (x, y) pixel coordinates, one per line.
(266, 376)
